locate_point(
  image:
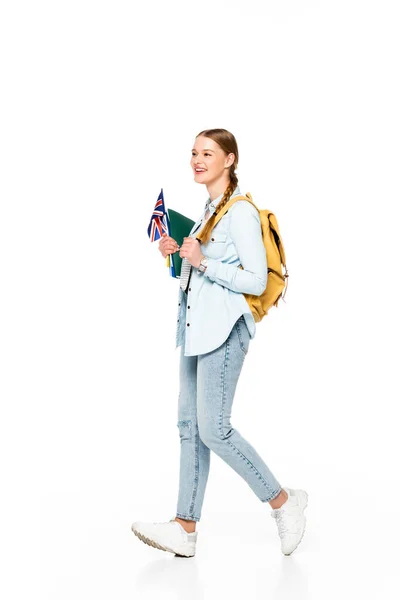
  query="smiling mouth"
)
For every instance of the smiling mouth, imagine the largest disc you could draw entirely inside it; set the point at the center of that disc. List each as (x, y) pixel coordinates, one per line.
(200, 170)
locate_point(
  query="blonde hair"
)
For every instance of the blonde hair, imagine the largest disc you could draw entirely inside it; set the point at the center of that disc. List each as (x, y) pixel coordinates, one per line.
(227, 141)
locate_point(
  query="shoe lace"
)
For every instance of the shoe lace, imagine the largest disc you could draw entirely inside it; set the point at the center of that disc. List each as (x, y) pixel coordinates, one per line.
(279, 517)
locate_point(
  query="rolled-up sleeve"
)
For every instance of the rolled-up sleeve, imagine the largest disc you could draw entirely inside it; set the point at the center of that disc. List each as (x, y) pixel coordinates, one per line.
(246, 234)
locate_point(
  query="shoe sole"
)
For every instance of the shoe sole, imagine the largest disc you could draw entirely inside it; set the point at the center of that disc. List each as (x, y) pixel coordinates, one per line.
(155, 544)
(303, 502)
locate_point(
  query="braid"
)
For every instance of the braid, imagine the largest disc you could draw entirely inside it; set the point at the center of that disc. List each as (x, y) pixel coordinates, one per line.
(205, 233)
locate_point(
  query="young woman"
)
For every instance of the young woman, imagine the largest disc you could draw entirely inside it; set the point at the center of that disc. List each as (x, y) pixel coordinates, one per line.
(214, 329)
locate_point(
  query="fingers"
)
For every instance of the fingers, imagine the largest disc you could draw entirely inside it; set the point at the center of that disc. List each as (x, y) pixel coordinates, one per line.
(167, 245)
(165, 239)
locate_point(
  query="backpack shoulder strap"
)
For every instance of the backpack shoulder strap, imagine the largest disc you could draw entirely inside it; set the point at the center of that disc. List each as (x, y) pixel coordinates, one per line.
(231, 202)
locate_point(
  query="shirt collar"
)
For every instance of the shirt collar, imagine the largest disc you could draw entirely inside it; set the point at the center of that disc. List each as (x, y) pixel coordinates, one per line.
(212, 205)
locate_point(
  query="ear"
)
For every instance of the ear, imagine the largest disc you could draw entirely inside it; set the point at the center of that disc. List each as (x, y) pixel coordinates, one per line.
(230, 159)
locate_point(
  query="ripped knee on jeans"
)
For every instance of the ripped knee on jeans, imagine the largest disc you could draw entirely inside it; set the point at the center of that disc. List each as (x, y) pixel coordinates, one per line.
(185, 429)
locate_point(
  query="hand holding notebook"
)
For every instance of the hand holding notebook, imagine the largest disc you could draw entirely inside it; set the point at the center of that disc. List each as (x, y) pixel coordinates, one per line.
(179, 227)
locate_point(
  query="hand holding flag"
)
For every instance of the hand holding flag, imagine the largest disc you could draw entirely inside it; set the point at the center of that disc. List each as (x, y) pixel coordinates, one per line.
(173, 224)
(159, 224)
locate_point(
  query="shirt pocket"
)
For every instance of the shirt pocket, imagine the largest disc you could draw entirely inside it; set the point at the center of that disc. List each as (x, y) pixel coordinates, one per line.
(216, 246)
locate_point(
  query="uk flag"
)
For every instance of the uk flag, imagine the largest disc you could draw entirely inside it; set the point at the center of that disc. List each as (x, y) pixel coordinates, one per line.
(159, 220)
(159, 224)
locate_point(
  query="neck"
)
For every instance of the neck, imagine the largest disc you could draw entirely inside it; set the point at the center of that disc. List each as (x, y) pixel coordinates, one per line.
(218, 187)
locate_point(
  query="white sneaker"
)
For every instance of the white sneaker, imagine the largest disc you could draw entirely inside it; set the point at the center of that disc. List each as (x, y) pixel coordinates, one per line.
(169, 536)
(291, 520)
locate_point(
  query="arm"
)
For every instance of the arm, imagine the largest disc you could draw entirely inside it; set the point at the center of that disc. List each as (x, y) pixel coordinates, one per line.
(245, 231)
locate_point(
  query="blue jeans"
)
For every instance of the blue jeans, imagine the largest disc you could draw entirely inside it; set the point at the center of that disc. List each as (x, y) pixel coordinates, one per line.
(207, 388)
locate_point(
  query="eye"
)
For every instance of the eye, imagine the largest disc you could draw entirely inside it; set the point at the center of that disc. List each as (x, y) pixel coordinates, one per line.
(207, 154)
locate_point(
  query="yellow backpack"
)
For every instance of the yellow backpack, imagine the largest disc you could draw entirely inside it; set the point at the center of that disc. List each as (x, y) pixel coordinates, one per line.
(277, 280)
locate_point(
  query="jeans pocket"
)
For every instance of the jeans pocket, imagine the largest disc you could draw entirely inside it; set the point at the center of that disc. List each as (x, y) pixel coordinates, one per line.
(243, 334)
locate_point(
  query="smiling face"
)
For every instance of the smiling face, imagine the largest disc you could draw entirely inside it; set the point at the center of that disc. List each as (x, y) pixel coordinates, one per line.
(209, 162)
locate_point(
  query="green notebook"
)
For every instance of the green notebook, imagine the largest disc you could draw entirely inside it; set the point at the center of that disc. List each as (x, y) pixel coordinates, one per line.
(180, 227)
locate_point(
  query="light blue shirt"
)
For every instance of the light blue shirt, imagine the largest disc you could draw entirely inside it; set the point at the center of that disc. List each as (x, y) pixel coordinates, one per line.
(215, 300)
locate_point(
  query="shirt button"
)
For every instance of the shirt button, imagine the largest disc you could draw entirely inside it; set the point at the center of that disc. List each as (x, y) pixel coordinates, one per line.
(212, 239)
(188, 306)
(178, 320)
(179, 304)
(190, 289)
(188, 324)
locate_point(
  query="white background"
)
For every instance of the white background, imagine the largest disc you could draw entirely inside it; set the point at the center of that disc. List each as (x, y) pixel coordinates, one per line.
(100, 105)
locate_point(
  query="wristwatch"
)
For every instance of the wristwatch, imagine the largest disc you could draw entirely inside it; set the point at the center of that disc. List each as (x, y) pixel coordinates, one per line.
(202, 265)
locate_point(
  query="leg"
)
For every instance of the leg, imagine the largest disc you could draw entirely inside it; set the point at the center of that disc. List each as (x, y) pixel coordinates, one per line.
(279, 500)
(194, 454)
(217, 376)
